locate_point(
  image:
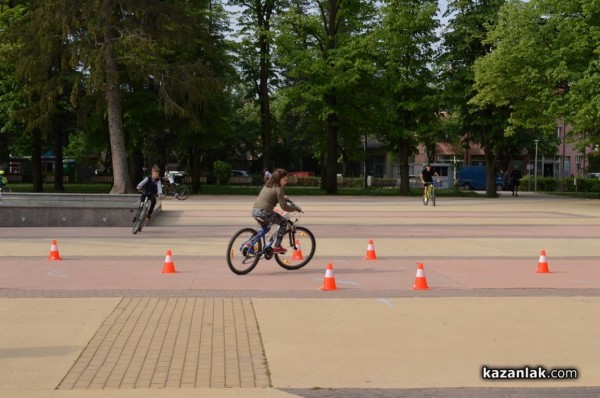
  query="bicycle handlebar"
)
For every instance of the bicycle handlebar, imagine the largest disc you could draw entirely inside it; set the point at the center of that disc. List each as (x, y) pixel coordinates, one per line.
(290, 202)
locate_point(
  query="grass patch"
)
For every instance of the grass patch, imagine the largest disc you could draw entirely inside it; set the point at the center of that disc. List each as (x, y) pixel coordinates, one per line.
(585, 195)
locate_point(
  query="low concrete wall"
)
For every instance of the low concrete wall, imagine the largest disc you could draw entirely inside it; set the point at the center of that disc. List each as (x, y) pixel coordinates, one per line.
(68, 210)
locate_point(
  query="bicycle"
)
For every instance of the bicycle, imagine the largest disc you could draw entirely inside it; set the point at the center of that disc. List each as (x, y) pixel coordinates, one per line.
(247, 246)
(174, 189)
(429, 193)
(4, 189)
(3, 185)
(139, 221)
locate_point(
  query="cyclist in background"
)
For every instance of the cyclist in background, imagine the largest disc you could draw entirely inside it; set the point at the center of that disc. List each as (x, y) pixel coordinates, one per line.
(271, 195)
(3, 180)
(151, 187)
(427, 177)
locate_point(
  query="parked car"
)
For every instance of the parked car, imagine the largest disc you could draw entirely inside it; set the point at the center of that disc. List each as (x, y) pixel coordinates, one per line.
(593, 175)
(474, 177)
(240, 173)
(176, 176)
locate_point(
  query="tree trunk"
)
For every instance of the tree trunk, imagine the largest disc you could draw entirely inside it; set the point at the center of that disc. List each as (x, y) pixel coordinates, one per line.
(36, 162)
(490, 173)
(196, 158)
(121, 180)
(332, 135)
(265, 107)
(137, 165)
(58, 160)
(403, 154)
(264, 12)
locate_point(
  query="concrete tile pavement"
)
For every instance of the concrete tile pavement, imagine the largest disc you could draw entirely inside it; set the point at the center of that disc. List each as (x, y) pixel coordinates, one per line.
(443, 337)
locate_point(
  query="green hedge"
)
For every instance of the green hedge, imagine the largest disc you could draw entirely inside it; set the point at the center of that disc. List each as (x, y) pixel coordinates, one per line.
(551, 184)
(357, 182)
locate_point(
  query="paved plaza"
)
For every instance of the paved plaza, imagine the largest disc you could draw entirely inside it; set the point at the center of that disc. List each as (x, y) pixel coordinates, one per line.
(106, 322)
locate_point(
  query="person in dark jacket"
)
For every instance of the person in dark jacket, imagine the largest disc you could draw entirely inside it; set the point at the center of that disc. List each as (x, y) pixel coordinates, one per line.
(515, 180)
(151, 187)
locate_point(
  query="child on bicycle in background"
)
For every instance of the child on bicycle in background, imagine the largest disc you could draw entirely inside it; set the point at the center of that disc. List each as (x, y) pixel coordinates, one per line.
(271, 195)
(3, 180)
(427, 177)
(151, 187)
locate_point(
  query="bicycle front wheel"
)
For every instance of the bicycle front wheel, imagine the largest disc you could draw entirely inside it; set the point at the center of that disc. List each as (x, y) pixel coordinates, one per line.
(5, 189)
(426, 198)
(433, 197)
(182, 193)
(137, 222)
(241, 257)
(143, 216)
(298, 256)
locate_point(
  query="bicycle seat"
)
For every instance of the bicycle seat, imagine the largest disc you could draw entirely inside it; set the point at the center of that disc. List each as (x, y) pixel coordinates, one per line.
(261, 221)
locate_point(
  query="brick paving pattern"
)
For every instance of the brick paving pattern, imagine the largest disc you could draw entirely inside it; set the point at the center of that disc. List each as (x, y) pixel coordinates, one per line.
(159, 342)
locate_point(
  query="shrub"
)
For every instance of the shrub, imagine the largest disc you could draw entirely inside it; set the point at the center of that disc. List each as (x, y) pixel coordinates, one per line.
(357, 182)
(222, 172)
(552, 184)
(308, 181)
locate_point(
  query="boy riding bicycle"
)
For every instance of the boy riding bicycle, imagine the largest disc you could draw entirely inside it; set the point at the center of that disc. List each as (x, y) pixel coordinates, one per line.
(151, 187)
(427, 177)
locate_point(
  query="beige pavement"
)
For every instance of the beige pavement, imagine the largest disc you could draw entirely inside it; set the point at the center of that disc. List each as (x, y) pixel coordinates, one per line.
(47, 345)
(421, 343)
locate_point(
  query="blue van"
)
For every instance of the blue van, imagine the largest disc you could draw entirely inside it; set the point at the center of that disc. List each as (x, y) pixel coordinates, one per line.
(473, 177)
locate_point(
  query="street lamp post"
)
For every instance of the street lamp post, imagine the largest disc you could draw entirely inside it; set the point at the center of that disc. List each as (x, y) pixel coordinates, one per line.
(535, 167)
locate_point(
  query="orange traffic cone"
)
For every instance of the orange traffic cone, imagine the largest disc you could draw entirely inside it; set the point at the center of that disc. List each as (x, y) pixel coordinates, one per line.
(54, 255)
(329, 281)
(297, 255)
(543, 264)
(420, 280)
(169, 267)
(371, 252)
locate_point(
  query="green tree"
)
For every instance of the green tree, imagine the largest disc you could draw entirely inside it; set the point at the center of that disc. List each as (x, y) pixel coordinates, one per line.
(406, 54)
(11, 95)
(39, 52)
(464, 43)
(323, 65)
(543, 66)
(256, 62)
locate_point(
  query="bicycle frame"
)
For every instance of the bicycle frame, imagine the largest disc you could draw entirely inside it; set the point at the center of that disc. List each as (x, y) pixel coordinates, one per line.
(261, 235)
(430, 189)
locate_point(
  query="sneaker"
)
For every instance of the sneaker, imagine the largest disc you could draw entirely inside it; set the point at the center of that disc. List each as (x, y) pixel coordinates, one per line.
(279, 250)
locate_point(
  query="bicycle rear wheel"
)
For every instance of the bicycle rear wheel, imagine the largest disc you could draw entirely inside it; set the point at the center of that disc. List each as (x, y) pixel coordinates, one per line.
(297, 257)
(182, 193)
(241, 258)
